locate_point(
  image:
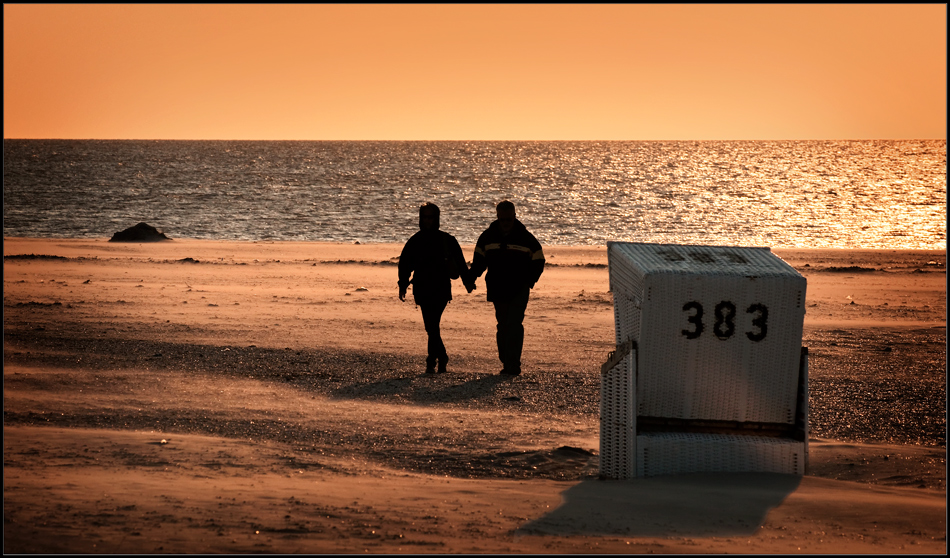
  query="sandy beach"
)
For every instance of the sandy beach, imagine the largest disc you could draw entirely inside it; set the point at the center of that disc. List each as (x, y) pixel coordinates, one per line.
(198, 396)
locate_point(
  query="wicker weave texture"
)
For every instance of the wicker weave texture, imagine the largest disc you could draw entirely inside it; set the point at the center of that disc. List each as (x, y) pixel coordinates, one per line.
(718, 328)
(617, 419)
(801, 419)
(675, 453)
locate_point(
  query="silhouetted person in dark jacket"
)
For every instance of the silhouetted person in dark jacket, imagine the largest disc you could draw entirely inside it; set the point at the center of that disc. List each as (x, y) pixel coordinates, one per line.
(433, 258)
(515, 262)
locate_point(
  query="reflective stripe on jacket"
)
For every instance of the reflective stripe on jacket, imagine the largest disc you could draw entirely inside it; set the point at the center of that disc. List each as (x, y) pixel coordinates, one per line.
(513, 261)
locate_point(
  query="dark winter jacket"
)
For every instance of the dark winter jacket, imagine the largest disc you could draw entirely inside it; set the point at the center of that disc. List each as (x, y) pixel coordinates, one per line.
(514, 261)
(430, 257)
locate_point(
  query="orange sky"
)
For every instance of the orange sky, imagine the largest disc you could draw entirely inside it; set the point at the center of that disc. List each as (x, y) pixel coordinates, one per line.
(475, 72)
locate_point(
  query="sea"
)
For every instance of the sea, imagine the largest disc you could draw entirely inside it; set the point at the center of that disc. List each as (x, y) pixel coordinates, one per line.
(888, 194)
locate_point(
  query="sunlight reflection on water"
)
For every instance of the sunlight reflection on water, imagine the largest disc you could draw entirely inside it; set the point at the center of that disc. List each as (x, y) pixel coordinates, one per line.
(829, 194)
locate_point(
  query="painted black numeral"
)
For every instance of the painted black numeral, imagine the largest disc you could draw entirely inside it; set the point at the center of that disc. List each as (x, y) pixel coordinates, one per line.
(761, 321)
(725, 326)
(696, 319)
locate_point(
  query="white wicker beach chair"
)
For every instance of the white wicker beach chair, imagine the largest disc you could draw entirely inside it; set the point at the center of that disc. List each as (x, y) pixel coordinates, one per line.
(709, 372)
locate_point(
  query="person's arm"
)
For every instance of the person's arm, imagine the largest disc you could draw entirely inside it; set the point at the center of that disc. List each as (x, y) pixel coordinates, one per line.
(456, 254)
(537, 261)
(405, 269)
(479, 263)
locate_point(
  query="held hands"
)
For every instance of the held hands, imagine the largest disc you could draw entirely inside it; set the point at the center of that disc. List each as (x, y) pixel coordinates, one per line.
(468, 279)
(469, 286)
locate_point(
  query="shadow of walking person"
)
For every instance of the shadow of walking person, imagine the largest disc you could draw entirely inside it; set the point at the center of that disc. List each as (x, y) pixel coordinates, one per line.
(480, 388)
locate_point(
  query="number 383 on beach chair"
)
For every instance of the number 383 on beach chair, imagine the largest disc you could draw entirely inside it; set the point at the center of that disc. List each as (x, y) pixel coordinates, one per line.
(709, 372)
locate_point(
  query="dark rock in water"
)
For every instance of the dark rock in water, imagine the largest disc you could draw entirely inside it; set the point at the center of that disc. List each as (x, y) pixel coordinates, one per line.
(142, 232)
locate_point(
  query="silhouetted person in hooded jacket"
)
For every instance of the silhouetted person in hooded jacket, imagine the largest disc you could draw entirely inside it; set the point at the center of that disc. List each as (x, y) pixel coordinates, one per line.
(433, 258)
(515, 261)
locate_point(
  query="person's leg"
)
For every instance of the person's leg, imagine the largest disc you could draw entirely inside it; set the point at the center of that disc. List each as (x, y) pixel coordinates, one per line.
(432, 318)
(501, 332)
(510, 331)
